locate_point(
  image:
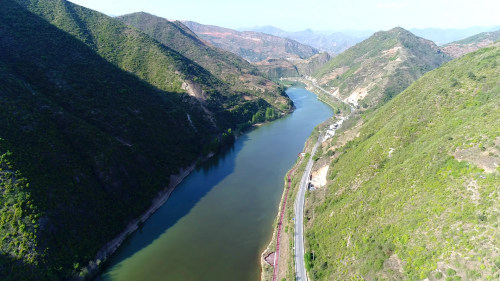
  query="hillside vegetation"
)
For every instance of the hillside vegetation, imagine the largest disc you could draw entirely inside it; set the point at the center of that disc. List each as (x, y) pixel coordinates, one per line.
(123, 46)
(241, 76)
(377, 69)
(96, 118)
(85, 147)
(280, 68)
(161, 66)
(470, 44)
(416, 194)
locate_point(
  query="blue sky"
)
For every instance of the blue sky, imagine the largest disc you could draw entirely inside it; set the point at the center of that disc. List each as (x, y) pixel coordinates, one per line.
(294, 15)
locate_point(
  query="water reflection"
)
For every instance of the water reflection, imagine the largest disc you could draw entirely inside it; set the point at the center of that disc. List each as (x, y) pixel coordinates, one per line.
(218, 220)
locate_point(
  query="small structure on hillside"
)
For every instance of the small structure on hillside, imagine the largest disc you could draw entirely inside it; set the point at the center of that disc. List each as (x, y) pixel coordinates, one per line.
(330, 132)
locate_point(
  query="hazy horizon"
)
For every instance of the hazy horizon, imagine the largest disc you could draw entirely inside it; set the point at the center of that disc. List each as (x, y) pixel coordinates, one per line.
(320, 15)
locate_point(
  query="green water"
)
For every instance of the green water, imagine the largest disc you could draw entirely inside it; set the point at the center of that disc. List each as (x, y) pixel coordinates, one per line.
(219, 219)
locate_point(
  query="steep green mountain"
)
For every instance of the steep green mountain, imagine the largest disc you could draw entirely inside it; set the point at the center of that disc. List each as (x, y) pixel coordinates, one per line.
(125, 47)
(252, 46)
(470, 44)
(155, 63)
(95, 120)
(239, 74)
(84, 147)
(380, 67)
(415, 196)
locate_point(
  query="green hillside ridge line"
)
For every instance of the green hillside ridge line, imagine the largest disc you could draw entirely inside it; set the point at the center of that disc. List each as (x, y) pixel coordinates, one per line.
(155, 63)
(398, 204)
(241, 76)
(178, 37)
(382, 66)
(470, 44)
(94, 154)
(86, 144)
(492, 36)
(119, 44)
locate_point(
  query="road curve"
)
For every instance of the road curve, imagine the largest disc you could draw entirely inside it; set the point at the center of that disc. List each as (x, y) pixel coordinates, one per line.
(300, 267)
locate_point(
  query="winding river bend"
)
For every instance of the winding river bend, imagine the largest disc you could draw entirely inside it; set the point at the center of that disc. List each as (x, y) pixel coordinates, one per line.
(219, 219)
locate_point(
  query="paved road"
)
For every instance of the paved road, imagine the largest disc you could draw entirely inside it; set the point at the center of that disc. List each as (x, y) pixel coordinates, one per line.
(300, 268)
(328, 93)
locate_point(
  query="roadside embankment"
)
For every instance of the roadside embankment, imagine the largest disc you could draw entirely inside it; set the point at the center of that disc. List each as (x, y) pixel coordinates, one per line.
(284, 259)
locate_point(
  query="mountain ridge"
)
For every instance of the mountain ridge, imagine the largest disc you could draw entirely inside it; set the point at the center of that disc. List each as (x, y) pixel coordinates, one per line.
(461, 47)
(89, 155)
(253, 46)
(379, 67)
(331, 42)
(239, 74)
(442, 36)
(97, 117)
(412, 189)
(156, 63)
(283, 68)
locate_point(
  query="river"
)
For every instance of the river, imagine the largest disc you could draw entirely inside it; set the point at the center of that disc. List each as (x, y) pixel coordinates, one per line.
(219, 219)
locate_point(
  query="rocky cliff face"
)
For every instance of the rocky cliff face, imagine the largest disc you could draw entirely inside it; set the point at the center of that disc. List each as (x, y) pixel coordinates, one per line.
(311, 65)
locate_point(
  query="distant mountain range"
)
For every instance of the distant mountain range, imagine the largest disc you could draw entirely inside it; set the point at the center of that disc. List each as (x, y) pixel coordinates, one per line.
(278, 53)
(380, 67)
(333, 43)
(442, 36)
(273, 55)
(336, 42)
(250, 45)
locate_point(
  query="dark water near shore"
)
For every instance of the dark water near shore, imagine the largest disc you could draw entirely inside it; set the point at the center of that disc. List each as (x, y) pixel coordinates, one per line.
(219, 219)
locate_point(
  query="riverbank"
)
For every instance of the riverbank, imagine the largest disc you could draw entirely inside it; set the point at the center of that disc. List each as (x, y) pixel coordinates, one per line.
(330, 99)
(284, 260)
(222, 209)
(94, 266)
(286, 266)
